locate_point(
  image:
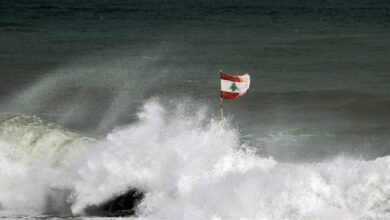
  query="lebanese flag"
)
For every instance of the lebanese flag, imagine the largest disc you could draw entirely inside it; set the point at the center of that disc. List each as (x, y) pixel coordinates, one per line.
(233, 86)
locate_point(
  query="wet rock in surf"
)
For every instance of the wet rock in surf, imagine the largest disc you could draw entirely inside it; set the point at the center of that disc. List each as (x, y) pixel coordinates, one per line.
(123, 205)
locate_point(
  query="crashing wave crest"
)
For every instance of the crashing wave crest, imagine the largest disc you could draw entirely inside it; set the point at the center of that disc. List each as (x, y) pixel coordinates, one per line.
(188, 166)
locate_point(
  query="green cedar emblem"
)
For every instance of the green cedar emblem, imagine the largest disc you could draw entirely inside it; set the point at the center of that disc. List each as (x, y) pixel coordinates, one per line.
(234, 87)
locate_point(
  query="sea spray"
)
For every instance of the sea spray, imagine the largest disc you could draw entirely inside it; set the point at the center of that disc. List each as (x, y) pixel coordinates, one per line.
(153, 154)
(98, 92)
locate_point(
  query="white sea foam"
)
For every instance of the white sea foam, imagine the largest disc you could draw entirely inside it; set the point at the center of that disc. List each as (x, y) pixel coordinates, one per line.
(192, 167)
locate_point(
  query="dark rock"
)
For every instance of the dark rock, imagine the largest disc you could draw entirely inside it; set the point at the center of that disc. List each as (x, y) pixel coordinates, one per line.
(123, 205)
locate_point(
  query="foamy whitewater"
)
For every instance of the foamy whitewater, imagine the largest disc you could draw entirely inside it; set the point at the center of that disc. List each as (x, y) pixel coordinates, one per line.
(189, 166)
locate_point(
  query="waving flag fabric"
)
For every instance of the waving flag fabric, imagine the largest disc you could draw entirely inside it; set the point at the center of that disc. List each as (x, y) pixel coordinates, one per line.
(233, 86)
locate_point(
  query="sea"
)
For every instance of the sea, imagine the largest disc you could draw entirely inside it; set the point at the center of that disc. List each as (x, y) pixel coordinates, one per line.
(103, 98)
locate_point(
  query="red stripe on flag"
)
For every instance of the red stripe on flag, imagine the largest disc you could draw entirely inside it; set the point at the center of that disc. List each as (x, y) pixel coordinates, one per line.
(229, 95)
(232, 78)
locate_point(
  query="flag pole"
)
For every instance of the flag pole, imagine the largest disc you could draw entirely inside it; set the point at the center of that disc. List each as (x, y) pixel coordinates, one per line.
(221, 109)
(221, 100)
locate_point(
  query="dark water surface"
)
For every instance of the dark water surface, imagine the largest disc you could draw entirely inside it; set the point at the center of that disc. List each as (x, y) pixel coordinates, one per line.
(317, 68)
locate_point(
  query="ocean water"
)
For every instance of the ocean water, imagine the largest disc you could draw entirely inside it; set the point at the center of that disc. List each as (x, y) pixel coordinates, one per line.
(101, 97)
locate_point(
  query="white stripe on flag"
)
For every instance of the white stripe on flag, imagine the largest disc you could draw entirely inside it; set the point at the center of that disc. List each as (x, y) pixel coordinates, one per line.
(226, 86)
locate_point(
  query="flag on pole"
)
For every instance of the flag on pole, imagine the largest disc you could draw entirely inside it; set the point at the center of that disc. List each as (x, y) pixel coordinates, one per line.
(233, 86)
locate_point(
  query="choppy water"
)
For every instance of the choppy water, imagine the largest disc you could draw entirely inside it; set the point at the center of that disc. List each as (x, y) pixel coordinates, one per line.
(100, 97)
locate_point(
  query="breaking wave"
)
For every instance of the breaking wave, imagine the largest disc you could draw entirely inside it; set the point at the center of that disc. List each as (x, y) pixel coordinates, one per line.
(188, 165)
